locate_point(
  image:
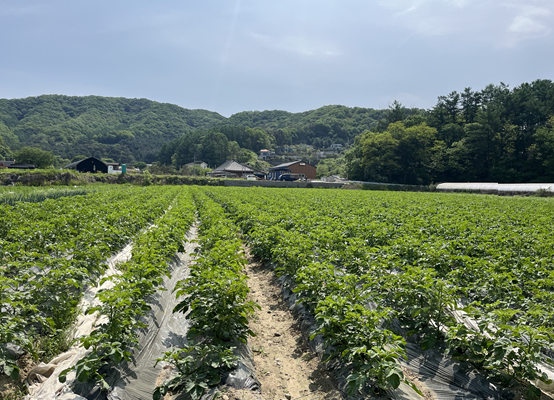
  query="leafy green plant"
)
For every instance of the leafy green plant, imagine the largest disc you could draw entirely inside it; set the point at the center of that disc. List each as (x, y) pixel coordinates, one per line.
(217, 304)
(198, 367)
(506, 350)
(422, 301)
(354, 333)
(215, 298)
(126, 301)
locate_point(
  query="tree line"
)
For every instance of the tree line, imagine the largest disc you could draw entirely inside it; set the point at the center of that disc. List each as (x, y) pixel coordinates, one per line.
(497, 134)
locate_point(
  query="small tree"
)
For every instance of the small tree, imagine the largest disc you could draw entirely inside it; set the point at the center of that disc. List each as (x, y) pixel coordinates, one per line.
(140, 165)
(146, 178)
(246, 156)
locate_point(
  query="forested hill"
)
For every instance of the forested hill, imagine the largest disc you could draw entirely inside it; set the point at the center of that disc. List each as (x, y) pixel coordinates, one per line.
(129, 130)
(118, 128)
(497, 134)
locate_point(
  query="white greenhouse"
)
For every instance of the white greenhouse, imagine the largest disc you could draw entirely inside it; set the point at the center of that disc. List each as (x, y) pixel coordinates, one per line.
(499, 188)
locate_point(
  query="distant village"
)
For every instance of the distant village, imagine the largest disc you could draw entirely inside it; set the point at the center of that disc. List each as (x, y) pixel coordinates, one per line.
(288, 171)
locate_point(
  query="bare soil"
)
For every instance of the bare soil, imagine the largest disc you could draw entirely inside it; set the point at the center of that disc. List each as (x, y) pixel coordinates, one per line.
(15, 390)
(412, 377)
(285, 366)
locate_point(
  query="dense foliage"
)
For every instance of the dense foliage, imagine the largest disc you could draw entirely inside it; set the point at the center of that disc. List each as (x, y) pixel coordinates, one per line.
(130, 295)
(33, 155)
(320, 128)
(52, 251)
(468, 276)
(118, 128)
(493, 135)
(472, 274)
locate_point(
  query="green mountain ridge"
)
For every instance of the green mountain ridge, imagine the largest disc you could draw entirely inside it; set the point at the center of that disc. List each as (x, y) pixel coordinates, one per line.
(135, 129)
(118, 128)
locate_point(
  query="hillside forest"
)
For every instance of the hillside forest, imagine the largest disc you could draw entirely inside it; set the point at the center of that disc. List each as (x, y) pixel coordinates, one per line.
(499, 134)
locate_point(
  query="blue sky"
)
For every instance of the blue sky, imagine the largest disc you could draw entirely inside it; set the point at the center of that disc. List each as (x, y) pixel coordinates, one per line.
(241, 55)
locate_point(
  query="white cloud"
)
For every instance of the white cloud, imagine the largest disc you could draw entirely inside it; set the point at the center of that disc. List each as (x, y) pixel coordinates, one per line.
(530, 22)
(526, 25)
(502, 23)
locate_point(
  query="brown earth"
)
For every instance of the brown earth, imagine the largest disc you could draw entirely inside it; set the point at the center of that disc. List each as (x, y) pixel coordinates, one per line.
(15, 390)
(285, 366)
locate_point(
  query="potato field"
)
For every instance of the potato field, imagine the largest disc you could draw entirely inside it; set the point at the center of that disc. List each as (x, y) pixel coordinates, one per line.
(119, 292)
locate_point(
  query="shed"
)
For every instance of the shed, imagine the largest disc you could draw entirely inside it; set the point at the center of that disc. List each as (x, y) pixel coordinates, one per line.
(115, 165)
(300, 168)
(6, 164)
(21, 166)
(90, 164)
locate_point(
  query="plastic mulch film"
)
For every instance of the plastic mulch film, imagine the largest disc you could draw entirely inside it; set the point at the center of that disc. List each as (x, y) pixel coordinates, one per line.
(137, 379)
(438, 376)
(42, 381)
(446, 378)
(165, 329)
(244, 376)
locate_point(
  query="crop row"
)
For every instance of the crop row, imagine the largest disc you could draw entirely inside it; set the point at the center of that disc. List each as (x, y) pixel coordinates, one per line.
(418, 258)
(52, 251)
(124, 304)
(12, 195)
(215, 298)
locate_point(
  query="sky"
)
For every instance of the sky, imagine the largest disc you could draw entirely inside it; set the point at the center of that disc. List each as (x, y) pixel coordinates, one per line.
(229, 56)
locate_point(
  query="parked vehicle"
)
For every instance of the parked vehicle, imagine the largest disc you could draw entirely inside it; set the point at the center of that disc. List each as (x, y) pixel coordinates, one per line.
(287, 177)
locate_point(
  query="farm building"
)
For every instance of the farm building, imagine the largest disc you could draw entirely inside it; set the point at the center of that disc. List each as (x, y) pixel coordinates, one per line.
(21, 166)
(6, 164)
(90, 164)
(115, 166)
(298, 168)
(231, 169)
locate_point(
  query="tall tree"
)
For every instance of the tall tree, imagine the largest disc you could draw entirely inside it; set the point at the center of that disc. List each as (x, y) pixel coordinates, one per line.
(5, 151)
(33, 155)
(214, 149)
(399, 154)
(545, 149)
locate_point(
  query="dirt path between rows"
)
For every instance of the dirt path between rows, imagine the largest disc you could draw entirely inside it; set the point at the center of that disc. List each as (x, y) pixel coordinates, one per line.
(285, 366)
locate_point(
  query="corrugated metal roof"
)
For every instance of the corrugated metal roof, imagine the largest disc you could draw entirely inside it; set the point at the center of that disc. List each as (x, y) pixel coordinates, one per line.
(285, 165)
